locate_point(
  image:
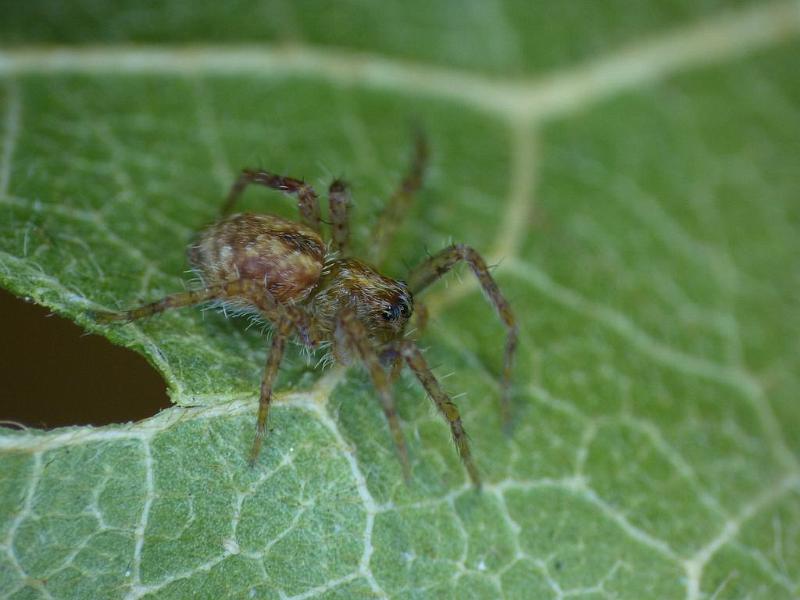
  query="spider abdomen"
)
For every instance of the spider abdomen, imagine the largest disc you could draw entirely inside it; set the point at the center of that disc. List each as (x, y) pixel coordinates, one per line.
(284, 255)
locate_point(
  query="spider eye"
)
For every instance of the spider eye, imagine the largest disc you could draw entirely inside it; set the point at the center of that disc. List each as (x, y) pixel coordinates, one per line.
(397, 311)
(392, 313)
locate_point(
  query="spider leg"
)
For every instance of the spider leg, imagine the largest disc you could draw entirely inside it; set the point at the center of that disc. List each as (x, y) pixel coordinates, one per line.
(283, 328)
(352, 334)
(307, 200)
(237, 290)
(245, 291)
(420, 316)
(417, 363)
(400, 201)
(339, 200)
(436, 266)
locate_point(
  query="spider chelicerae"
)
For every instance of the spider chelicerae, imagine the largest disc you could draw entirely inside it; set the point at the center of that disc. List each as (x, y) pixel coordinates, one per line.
(322, 295)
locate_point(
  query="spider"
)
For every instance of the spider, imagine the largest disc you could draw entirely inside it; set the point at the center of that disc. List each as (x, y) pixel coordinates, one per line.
(321, 295)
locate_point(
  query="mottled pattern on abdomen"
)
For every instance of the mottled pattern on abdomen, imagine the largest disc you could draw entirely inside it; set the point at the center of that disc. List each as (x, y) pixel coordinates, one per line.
(286, 256)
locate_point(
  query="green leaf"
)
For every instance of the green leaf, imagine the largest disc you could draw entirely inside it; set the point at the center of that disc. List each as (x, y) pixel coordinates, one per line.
(633, 172)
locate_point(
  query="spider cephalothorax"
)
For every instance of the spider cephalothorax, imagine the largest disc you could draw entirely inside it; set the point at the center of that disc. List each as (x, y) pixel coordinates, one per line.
(283, 270)
(381, 303)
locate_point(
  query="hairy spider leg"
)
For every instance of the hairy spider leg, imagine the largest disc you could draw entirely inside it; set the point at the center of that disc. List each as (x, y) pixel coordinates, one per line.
(399, 203)
(352, 334)
(421, 315)
(242, 290)
(416, 362)
(307, 200)
(436, 266)
(283, 328)
(339, 201)
(390, 357)
(238, 289)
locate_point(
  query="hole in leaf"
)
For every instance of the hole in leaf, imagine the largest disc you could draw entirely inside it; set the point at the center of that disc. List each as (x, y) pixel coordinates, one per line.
(53, 374)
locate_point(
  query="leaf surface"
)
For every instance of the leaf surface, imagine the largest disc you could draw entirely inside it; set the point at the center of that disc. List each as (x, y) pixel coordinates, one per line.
(633, 173)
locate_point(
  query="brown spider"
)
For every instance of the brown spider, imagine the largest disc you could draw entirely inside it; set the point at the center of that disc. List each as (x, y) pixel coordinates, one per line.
(284, 271)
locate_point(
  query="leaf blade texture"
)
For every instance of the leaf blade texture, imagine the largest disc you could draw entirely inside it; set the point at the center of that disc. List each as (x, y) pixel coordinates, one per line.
(633, 178)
